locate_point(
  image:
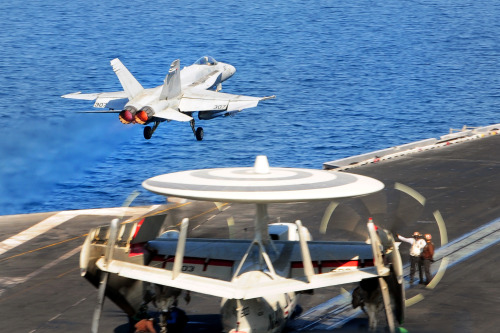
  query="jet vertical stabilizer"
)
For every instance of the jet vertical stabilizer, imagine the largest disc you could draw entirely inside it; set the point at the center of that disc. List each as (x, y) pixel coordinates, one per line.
(131, 86)
(172, 84)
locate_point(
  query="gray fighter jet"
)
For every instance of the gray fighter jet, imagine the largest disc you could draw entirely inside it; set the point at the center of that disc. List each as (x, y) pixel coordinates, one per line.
(195, 88)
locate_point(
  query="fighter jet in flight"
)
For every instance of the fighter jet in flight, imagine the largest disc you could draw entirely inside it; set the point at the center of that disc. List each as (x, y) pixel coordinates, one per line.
(195, 88)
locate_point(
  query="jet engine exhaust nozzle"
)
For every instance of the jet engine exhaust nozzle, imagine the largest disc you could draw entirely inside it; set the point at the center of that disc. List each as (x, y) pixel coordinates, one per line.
(126, 117)
(143, 116)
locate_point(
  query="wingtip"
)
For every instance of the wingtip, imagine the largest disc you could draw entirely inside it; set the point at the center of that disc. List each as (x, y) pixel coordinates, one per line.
(114, 62)
(71, 94)
(268, 97)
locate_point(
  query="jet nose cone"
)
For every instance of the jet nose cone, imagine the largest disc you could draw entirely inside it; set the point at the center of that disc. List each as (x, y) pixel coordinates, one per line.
(229, 71)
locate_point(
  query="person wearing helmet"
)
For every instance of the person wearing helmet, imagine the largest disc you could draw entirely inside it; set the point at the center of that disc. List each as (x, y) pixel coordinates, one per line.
(417, 245)
(427, 258)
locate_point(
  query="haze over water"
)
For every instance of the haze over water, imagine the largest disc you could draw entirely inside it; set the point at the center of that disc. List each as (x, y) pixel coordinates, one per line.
(350, 77)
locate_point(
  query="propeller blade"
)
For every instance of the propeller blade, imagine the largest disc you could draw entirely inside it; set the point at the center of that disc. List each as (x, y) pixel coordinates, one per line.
(100, 302)
(108, 256)
(326, 217)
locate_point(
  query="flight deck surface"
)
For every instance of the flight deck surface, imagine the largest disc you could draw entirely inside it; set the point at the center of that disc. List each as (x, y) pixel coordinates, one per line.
(41, 289)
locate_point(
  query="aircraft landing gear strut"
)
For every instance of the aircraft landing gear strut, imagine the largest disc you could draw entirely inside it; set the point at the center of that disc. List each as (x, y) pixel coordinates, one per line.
(148, 131)
(198, 133)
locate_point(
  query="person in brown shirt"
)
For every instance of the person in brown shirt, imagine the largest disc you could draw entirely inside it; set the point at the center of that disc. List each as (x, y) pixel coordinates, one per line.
(145, 326)
(427, 257)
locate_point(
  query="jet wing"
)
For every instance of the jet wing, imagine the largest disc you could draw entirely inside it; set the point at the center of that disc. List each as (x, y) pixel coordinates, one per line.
(113, 100)
(240, 289)
(207, 100)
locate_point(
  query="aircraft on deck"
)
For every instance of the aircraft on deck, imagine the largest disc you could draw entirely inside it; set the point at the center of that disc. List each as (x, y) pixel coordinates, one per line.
(259, 280)
(195, 88)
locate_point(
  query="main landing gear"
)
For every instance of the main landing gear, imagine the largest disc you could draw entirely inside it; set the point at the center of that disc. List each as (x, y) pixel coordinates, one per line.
(148, 131)
(198, 133)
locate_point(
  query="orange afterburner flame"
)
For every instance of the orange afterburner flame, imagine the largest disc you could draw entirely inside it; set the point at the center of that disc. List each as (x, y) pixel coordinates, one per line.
(141, 117)
(126, 117)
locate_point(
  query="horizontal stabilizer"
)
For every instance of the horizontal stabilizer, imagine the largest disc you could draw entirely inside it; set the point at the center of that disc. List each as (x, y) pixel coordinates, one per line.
(90, 97)
(148, 228)
(232, 290)
(171, 114)
(113, 100)
(79, 95)
(100, 111)
(131, 86)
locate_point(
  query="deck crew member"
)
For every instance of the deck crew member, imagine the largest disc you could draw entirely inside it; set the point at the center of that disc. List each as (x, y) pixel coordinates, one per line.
(427, 258)
(145, 326)
(417, 245)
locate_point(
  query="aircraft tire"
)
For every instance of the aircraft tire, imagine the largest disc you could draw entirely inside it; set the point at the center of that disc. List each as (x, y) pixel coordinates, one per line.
(199, 133)
(148, 132)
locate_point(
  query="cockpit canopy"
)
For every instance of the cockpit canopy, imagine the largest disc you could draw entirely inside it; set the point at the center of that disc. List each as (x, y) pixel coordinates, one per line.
(206, 60)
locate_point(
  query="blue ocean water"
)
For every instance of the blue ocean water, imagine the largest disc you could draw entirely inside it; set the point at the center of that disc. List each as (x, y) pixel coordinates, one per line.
(349, 76)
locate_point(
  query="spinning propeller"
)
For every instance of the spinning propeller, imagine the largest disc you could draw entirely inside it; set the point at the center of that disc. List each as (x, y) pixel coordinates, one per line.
(398, 208)
(113, 233)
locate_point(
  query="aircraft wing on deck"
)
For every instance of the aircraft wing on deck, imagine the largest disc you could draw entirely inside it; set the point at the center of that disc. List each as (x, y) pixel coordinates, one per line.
(208, 266)
(240, 289)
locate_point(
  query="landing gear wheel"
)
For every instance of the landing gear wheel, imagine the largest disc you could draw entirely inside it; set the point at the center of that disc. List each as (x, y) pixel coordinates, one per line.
(148, 132)
(199, 133)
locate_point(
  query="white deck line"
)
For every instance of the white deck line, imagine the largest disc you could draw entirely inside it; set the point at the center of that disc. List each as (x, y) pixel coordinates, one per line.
(13, 281)
(61, 217)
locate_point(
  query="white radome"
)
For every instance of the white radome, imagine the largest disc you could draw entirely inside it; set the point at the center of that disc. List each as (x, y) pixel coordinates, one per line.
(262, 184)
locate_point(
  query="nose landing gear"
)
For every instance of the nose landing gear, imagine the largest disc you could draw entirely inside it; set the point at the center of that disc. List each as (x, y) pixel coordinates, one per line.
(148, 131)
(198, 133)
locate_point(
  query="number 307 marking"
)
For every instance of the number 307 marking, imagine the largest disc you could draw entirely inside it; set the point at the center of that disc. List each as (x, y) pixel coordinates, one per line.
(220, 107)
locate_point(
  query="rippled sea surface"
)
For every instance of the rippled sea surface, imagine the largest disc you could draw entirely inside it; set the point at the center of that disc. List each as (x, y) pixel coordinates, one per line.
(349, 76)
